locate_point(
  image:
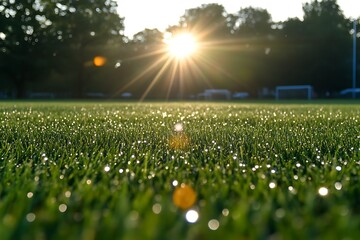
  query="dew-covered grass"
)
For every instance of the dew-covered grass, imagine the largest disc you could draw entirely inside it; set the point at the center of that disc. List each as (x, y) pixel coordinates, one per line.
(109, 170)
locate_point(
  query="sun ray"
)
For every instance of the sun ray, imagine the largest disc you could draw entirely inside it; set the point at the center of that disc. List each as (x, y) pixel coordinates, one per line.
(138, 77)
(148, 54)
(185, 64)
(181, 81)
(172, 78)
(195, 68)
(212, 66)
(157, 77)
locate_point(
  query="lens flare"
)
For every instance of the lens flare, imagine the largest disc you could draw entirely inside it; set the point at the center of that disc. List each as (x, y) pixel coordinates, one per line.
(184, 197)
(179, 141)
(99, 61)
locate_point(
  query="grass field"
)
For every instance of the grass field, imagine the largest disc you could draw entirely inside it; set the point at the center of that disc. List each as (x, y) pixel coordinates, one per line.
(109, 170)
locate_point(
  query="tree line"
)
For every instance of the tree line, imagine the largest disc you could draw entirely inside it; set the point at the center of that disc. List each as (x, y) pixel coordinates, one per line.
(50, 46)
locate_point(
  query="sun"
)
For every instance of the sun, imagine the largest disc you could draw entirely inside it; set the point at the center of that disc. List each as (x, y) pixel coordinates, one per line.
(182, 45)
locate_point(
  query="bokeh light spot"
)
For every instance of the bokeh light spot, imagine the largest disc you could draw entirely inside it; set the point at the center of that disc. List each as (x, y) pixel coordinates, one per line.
(62, 208)
(192, 216)
(30, 217)
(272, 185)
(99, 61)
(184, 197)
(156, 208)
(213, 224)
(178, 127)
(338, 185)
(323, 191)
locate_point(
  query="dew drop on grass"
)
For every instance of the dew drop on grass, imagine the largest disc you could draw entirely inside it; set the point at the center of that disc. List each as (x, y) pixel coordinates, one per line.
(106, 168)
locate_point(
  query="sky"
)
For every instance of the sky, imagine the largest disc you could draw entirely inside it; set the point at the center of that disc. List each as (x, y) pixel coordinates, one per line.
(141, 14)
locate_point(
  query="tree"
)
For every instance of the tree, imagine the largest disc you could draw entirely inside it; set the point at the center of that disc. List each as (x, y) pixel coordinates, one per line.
(23, 42)
(143, 59)
(40, 35)
(254, 22)
(327, 32)
(208, 21)
(149, 36)
(83, 29)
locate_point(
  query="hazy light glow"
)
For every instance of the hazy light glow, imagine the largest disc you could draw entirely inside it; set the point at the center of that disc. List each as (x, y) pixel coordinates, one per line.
(182, 45)
(154, 16)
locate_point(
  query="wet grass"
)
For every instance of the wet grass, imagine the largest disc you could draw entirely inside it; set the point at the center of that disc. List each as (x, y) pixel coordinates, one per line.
(109, 170)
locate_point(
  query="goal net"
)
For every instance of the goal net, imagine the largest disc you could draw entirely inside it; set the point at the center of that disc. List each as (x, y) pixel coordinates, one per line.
(294, 92)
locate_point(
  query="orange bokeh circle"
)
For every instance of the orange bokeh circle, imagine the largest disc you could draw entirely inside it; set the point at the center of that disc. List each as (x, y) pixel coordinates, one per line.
(99, 61)
(184, 197)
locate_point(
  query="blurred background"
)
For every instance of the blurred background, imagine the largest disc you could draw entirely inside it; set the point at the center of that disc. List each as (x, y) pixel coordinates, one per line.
(78, 49)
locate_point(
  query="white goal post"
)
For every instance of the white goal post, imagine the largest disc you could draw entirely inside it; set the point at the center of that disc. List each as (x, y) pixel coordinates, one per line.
(294, 92)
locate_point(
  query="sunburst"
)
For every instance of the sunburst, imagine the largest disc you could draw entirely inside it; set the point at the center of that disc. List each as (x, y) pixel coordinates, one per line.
(181, 61)
(182, 45)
